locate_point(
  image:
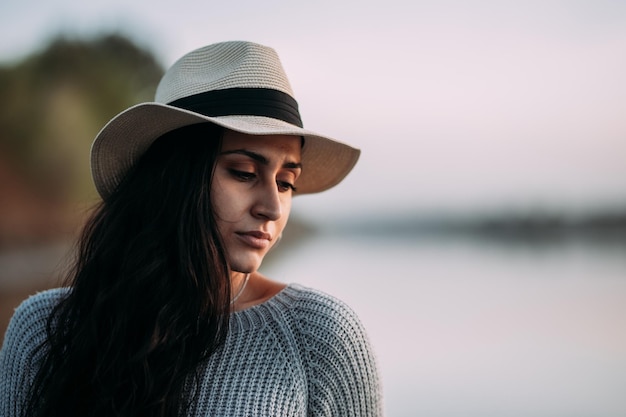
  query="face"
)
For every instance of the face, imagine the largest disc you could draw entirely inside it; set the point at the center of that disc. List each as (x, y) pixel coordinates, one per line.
(253, 183)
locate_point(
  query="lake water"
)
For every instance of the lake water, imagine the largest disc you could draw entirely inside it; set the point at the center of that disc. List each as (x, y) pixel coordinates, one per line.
(468, 327)
(463, 326)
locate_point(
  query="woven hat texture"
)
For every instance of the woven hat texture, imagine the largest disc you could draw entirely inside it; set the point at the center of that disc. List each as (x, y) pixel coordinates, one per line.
(238, 85)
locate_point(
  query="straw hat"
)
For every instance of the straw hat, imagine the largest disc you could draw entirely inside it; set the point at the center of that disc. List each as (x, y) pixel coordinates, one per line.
(238, 85)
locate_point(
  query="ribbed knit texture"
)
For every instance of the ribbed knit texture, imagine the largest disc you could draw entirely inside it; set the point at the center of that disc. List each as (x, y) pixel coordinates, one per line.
(301, 353)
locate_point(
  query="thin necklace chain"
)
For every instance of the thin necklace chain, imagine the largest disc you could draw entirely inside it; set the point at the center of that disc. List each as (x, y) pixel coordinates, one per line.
(243, 287)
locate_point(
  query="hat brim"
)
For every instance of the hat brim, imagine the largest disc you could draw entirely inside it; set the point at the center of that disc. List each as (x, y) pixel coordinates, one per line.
(128, 135)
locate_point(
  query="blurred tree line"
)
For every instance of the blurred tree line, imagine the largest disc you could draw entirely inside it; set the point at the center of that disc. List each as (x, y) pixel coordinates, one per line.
(54, 102)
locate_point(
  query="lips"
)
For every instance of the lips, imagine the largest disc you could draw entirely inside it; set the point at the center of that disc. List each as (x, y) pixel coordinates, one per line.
(255, 239)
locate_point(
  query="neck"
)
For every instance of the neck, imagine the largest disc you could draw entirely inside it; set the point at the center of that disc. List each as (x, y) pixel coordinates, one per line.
(238, 285)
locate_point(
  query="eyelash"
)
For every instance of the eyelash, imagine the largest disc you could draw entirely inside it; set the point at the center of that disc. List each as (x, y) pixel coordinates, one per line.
(248, 176)
(243, 175)
(286, 185)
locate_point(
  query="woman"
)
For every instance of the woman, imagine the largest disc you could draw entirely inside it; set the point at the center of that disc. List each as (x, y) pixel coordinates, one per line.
(167, 314)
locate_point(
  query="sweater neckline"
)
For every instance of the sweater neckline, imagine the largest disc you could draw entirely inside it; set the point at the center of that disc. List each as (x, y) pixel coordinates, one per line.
(260, 314)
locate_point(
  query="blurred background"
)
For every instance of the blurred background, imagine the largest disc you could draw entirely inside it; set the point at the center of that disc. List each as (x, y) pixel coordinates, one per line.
(482, 236)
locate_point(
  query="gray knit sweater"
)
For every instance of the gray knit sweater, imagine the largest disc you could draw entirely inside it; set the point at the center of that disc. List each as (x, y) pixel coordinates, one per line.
(301, 353)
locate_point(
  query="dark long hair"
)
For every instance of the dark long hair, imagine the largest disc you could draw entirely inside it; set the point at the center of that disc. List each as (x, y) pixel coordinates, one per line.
(150, 296)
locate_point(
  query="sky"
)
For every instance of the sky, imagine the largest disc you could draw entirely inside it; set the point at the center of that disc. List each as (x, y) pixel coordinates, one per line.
(458, 106)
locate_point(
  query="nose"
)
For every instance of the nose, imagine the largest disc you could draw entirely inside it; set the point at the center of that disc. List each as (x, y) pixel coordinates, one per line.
(268, 203)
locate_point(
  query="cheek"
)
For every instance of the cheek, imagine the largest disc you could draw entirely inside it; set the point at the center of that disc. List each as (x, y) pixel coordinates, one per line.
(226, 203)
(285, 217)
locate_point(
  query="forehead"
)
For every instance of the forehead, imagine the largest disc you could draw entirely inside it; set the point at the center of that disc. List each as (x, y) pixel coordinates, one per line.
(287, 146)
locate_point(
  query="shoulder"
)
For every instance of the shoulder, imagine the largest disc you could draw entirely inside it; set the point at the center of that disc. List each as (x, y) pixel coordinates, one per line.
(39, 306)
(314, 317)
(21, 351)
(339, 360)
(321, 309)
(28, 324)
(325, 322)
(315, 300)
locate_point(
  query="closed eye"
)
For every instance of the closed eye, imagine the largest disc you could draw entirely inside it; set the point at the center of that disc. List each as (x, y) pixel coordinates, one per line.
(285, 186)
(243, 176)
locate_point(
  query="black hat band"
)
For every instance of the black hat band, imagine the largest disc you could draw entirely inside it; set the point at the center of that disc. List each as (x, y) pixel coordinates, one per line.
(243, 101)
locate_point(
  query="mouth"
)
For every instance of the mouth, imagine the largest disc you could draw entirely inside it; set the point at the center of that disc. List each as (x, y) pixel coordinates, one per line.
(255, 239)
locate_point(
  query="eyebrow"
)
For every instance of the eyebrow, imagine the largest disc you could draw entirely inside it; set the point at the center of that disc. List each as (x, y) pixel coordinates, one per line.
(260, 158)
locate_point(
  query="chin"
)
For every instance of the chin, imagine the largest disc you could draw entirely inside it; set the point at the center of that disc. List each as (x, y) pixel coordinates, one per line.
(245, 265)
